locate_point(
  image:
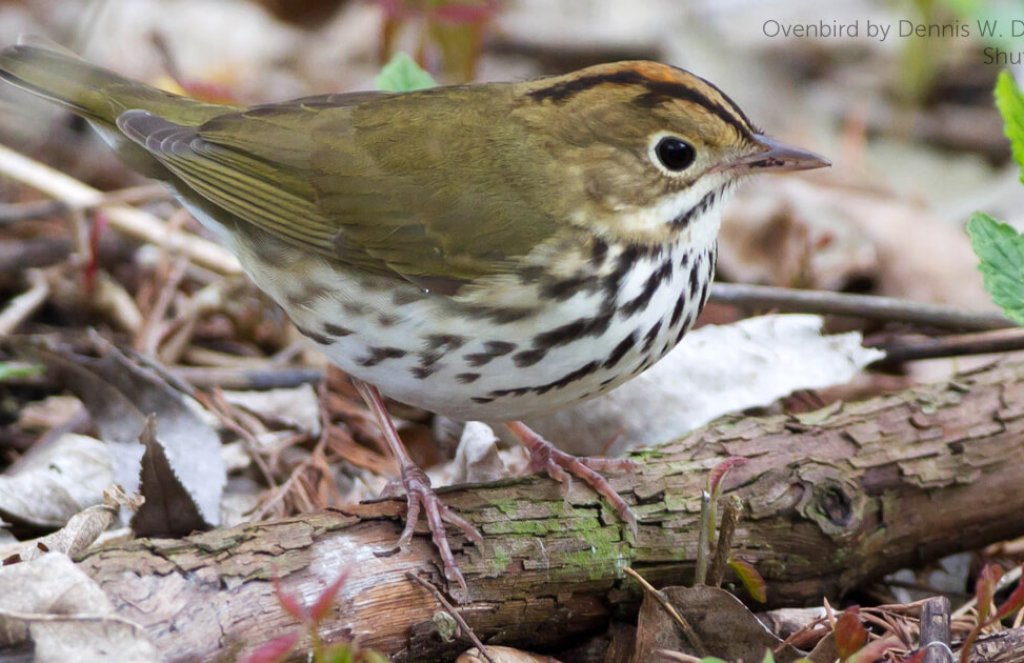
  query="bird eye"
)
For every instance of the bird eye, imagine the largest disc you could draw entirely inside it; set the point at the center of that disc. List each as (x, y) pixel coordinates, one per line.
(675, 154)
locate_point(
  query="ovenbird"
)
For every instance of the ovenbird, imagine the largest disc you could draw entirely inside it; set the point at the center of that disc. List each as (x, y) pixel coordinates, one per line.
(484, 251)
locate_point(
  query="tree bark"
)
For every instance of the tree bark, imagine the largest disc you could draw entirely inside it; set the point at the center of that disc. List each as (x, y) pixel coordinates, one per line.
(833, 498)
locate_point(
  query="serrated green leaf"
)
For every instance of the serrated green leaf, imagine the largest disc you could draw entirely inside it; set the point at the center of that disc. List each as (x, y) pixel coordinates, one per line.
(1010, 103)
(402, 74)
(1001, 250)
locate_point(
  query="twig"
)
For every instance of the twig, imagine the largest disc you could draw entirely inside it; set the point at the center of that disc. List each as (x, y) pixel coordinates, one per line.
(918, 347)
(731, 515)
(152, 331)
(888, 309)
(676, 657)
(39, 209)
(132, 222)
(453, 612)
(24, 305)
(935, 630)
(700, 573)
(684, 626)
(246, 378)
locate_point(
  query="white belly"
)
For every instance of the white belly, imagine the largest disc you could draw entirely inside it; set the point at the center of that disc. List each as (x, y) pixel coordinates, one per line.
(407, 343)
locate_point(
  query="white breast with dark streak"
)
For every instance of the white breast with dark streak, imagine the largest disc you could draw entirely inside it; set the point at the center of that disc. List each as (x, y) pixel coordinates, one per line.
(582, 334)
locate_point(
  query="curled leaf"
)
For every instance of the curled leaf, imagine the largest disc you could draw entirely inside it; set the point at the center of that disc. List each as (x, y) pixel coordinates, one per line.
(850, 635)
(326, 599)
(289, 603)
(751, 580)
(1013, 603)
(273, 651)
(718, 473)
(985, 589)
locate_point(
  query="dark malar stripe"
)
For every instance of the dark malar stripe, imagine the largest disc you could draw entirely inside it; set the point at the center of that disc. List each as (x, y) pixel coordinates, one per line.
(658, 92)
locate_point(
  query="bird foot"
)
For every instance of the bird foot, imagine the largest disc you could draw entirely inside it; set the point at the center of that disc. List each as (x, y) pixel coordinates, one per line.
(420, 497)
(561, 466)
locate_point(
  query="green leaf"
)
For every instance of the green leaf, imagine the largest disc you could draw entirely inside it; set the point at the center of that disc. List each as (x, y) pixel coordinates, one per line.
(1010, 103)
(751, 580)
(402, 74)
(1001, 250)
(10, 370)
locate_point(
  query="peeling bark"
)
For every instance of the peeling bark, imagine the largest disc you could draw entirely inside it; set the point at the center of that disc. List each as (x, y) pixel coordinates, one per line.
(833, 498)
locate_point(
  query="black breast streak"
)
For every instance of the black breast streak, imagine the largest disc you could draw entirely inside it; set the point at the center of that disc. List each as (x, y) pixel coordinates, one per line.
(529, 357)
(687, 323)
(695, 278)
(702, 206)
(423, 372)
(651, 286)
(492, 350)
(337, 331)
(598, 252)
(620, 351)
(650, 337)
(677, 311)
(563, 289)
(560, 383)
(379, 354)
(315, 336)
(445, 341)
(574, 331)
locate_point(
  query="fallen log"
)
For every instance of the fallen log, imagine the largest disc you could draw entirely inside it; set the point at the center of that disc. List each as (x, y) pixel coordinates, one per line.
(832, 498)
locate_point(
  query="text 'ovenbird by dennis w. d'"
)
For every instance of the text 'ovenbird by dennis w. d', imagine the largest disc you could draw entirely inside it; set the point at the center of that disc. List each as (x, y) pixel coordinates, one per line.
(484, 251)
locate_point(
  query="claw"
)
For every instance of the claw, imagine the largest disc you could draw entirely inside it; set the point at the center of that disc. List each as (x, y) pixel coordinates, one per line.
(420, 496)
(545, 457)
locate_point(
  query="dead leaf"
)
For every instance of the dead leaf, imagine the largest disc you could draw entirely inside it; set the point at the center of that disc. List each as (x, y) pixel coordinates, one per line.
(724, 625)
(297, 407)
(477, 459)
(120, 394)
(168, 510)
(80, 533)
(54, 482)
(65, 615)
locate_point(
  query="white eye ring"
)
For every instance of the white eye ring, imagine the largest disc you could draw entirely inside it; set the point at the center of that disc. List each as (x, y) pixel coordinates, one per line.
(671, 154)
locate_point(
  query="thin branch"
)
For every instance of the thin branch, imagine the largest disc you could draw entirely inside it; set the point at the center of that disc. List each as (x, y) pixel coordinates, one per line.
(454, 614)
(888, 309)
(731, 515)
(700, 573)
(935, 636)
(130, 221)
(923, 347)
(24, 305)
(684, 626)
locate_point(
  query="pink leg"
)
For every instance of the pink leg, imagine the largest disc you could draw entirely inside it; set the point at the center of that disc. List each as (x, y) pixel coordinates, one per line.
(544, 457)
(419, 494)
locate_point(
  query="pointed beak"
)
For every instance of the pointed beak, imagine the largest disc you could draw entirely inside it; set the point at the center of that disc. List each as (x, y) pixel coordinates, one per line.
(779, 157)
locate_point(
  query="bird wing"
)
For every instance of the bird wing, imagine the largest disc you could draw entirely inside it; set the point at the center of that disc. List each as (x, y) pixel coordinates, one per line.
(412, 187)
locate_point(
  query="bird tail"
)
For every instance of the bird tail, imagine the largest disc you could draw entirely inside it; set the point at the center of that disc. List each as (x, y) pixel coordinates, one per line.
(97, 94)
(94, 93)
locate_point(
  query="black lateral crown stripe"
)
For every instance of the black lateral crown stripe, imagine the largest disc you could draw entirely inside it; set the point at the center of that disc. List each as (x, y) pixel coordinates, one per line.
(657, 92)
